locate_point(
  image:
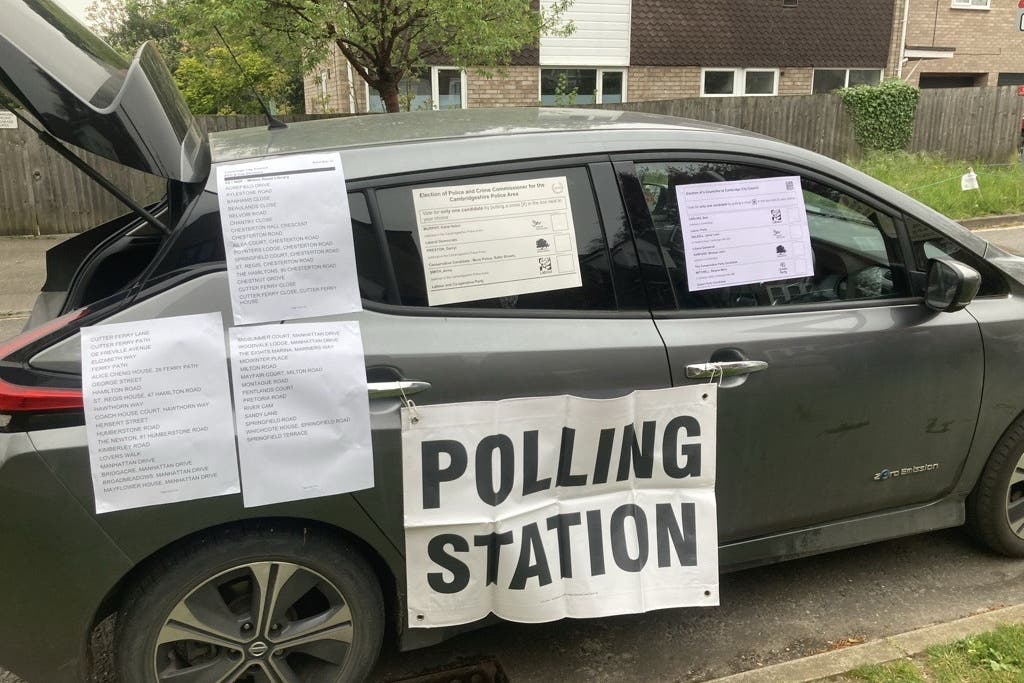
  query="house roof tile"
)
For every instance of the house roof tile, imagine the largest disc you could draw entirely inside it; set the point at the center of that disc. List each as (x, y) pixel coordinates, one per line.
(761, 33)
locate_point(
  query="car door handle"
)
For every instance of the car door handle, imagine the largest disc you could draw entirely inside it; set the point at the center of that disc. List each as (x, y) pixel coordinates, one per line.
(396, 389)
(729, 368)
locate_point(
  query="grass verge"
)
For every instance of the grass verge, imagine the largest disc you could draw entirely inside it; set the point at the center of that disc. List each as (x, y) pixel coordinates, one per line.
(993, 657)
(935, 181)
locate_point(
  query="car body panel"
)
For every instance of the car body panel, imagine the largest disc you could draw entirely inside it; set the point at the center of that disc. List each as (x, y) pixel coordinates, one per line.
(850, 396)
(467, 359)
(57, 567)
(85, 93)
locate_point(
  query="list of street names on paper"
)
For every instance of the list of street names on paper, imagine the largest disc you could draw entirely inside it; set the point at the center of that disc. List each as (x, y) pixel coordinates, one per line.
(288, 238)
(744, 231)
(158, 411)
(496, 239)
(301, 411)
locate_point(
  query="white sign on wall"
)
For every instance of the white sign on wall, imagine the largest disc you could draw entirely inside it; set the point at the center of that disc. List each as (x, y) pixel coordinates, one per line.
(8, 119)
(542, 508)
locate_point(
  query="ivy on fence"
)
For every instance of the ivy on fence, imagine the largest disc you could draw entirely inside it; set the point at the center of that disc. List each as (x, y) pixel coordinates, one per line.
(883, 115)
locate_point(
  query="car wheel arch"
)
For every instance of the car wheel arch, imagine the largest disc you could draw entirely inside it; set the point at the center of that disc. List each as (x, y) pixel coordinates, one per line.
(385, 573)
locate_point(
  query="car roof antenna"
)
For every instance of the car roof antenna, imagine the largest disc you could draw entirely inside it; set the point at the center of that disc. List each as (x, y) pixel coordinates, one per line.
(272, 122)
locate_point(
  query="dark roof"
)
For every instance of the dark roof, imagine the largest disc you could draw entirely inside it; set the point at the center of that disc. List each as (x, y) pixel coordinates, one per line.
(751, 33)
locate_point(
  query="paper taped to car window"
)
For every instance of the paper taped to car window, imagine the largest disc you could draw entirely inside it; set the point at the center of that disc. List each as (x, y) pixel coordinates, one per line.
(496, 239)
(158, 411)
(302, 411)
(542, 508)
(741, 232)
(288, 238)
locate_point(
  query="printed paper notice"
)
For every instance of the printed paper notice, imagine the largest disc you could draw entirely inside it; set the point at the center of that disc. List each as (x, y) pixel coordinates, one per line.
(158, 411)
(744, 231)
(288, 238)
(537, 509)
(496, 239)
(8, 119)
(302, 411)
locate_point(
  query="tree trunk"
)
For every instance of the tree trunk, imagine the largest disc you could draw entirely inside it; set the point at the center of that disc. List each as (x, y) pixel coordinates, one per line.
(389, 93)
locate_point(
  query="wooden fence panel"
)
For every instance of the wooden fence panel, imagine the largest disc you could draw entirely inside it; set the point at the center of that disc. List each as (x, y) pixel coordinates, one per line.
(974, 124)
(42, 194)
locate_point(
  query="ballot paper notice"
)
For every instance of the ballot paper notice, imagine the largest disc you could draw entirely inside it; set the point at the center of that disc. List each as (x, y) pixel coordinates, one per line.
(744, 231)
(301, 410)
(158, 411)
(496, 239)
(288, 238)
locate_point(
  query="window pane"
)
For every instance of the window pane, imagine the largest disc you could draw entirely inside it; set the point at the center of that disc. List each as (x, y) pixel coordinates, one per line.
(449, 89)
(369, 262)
(760, 83)
(854, 247)
(413, 94)
(559, 87)
(719, 82)
(399, 219)
(865, 76)
(611, 87)
(928, 243)
(827, 80)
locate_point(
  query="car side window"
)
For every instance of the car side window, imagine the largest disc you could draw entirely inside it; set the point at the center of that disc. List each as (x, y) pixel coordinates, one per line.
(854, 247)
(398, 217)
(927, 243)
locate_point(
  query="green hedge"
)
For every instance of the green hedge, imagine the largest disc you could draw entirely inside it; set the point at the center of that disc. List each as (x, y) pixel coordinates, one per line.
(883, 115)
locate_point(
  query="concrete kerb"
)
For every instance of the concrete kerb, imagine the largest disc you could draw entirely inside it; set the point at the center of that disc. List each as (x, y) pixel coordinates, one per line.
(992, 221)
(827, 664)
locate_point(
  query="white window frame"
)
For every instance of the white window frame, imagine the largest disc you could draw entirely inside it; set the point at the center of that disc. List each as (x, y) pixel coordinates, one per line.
(739, 82)
(601, 71)
(435, 93)
(971, 4)
(846, 77)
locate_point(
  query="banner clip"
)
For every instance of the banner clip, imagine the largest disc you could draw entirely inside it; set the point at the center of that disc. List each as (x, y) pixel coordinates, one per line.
(407, 402)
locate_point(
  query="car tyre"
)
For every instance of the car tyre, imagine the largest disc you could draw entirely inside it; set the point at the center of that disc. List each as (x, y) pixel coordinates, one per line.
(253, 604)
(995, 509)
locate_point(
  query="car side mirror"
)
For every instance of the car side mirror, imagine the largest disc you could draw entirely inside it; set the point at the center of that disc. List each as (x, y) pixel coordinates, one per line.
(951, 285)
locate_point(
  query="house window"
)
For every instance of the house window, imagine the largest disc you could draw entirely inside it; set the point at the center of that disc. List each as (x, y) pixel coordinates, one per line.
(733, 82)
(438, 87)
(972, 4)
(582, 86)
(827, 80)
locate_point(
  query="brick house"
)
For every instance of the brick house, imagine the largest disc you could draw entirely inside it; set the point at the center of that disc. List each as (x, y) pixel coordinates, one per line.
(635, 50)
(962, 43)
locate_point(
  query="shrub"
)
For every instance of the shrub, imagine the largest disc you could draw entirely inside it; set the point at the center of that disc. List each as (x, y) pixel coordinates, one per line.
(883, 115)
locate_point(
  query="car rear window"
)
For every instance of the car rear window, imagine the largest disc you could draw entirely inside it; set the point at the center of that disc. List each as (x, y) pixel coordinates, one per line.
(398, 222)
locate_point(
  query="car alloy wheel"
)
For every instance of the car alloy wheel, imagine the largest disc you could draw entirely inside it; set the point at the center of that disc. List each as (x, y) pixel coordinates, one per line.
(1015, 499)
(258, 622)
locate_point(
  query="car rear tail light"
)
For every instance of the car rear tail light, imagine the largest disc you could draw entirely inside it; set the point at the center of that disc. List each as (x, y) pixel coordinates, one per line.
(15, 398)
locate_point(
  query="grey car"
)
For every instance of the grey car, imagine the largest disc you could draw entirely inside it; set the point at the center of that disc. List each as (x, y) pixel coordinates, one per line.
(887, 403)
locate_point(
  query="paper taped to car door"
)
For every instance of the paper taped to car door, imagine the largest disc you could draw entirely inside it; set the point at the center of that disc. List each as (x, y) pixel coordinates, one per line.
(302, 411)
(158, 411)
(741, 232)
(496, 239)
(288, 238)
(537, 509)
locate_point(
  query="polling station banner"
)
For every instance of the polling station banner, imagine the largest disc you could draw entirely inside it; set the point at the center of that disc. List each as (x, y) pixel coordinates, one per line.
(537, 509)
